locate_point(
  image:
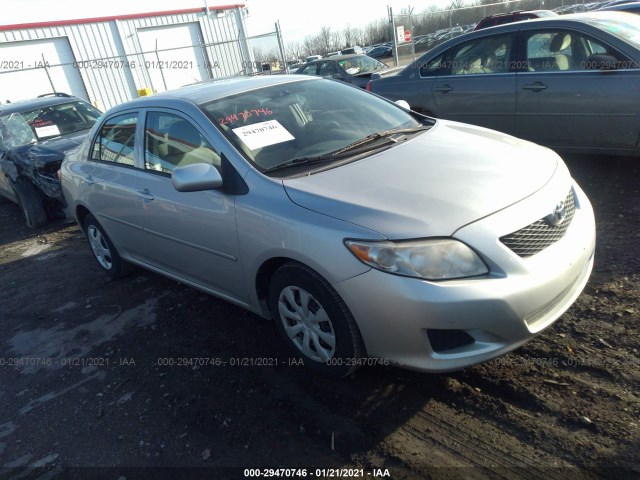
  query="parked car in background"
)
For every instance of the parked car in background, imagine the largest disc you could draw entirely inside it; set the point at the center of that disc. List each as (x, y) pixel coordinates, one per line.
(517, 16)
(631, 7)
(616, 2)
(311, 58)
(353, 69)
(34, 136)
(570, 82)
(333, 54)
(368, 233)
(381, 51)
(568, 9)
(355, 49)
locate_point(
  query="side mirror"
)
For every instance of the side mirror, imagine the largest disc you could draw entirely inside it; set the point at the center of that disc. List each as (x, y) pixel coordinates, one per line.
(403, 104)
(602, 62)
(196, 177)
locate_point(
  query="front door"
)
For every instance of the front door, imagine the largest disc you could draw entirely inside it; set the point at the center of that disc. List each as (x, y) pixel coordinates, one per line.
(189, 234)
(564, 100)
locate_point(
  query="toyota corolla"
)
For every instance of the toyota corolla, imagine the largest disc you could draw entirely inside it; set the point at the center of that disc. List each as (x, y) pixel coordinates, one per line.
(364, 230)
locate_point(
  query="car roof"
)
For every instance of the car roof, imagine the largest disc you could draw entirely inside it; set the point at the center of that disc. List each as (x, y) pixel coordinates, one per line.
(215, 89)
(555, 21)
(515, 13)
(32, 103)
(340, 57)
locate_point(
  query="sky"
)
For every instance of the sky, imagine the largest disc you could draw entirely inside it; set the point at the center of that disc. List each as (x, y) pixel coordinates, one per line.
(297, 18)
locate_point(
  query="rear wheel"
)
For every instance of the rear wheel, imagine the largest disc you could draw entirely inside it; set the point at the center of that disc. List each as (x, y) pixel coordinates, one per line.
(314, 321)
(103, 249)
(30, 202)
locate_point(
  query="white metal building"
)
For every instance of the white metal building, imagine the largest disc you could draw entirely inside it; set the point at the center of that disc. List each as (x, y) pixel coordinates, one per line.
(108, 60)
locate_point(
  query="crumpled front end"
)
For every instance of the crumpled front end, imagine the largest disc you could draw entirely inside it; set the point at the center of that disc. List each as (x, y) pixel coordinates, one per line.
(38, 164)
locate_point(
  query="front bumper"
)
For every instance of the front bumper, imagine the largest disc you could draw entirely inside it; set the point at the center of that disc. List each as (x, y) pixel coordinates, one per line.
(500, 311)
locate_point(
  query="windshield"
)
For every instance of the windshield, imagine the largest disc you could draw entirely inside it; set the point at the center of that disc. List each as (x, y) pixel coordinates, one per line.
(622, 25)
(23, 128)
(362, 64)
(310, 118)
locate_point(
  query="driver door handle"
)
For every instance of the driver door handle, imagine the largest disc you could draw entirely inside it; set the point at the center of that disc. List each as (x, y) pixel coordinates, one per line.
(444, 89)
(535, 87)
(145, 194)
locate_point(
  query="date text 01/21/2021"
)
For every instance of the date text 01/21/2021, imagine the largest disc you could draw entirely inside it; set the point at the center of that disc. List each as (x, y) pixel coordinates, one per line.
(261, 361)
(19, 362)
(316, 473)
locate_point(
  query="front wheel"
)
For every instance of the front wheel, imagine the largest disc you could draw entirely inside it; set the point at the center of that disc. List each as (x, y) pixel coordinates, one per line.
(30, 202)
(103, 250)
(314, 321)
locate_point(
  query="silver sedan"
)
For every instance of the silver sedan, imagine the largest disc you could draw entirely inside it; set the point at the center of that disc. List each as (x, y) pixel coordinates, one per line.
(568, 82)
(368, 233)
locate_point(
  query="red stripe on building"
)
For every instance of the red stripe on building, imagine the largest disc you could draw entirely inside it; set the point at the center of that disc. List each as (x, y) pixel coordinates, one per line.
(132, 16)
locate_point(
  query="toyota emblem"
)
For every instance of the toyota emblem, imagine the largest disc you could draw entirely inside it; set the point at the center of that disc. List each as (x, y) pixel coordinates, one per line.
(558, 215)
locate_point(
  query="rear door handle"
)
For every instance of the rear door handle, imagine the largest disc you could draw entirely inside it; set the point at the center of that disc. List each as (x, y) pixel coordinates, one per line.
(145, 194)
(535, 87)
(88, 180)
(444, 89)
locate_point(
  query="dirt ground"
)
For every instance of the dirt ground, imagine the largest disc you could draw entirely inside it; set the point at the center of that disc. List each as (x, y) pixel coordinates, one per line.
(91, 376)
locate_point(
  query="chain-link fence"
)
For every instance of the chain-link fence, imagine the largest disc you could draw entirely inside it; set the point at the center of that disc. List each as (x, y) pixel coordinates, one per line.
(110, 80)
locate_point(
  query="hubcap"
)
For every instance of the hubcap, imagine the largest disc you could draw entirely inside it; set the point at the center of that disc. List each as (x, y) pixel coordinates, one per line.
(307, 324)
(99, 247)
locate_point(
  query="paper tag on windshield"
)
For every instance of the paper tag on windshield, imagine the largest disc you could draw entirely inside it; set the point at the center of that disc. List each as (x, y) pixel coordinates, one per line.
(48, 131)
(263, 134)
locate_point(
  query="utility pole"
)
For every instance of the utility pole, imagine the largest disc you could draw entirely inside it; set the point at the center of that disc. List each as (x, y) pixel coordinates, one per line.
(392, 29)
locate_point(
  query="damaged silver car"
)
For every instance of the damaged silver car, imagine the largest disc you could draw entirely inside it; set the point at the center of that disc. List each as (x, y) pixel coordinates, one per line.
(34, 136)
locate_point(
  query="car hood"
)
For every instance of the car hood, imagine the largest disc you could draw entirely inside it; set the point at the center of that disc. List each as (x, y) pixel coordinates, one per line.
(53, 148)
(39, 161)
(435, 183)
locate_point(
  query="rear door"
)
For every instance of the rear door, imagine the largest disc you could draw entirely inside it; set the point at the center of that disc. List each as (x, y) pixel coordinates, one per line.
(107, 181)
(564, 100)
(476, 85)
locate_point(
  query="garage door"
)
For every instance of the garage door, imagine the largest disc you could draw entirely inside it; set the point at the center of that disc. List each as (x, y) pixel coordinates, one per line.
(17, 84)
(183, 65)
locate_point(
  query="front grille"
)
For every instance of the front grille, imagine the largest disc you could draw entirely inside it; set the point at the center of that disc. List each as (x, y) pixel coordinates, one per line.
(534, 238)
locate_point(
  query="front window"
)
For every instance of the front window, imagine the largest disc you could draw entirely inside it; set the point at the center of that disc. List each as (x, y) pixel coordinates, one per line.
(48, 122)
(171, 141)
(561, 50)
(302, 120)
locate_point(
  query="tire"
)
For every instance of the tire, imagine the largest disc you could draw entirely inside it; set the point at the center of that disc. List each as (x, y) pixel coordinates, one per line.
(30, 202)
(332, 346)
(104, 251)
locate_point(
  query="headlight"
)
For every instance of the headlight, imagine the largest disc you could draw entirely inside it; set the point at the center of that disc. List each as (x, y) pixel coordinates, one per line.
(435, 259)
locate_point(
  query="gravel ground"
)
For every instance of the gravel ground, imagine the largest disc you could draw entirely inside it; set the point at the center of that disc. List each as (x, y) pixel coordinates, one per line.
(97, 391)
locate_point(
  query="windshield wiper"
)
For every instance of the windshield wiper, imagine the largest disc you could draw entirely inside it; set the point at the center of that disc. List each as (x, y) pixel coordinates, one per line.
(301, 161)
(338, 153)
(379, 135)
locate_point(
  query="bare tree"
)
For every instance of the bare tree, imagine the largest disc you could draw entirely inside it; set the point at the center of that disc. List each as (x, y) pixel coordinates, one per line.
(348, 34)
(325, 39)
(295, 50)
